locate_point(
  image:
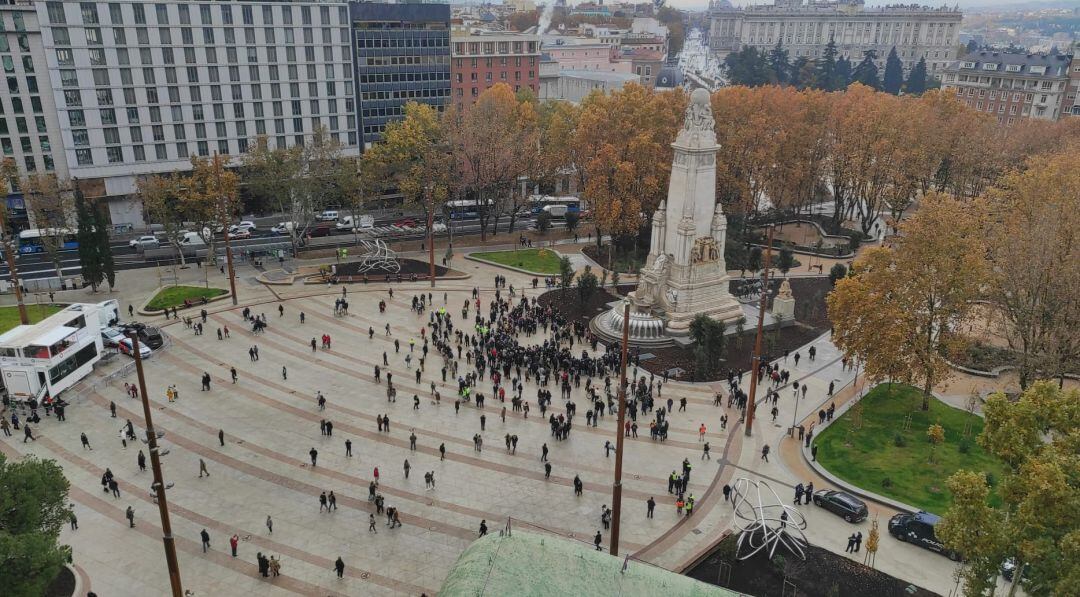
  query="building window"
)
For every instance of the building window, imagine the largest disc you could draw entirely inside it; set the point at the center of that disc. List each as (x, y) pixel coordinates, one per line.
(56, 13)
(83, 157)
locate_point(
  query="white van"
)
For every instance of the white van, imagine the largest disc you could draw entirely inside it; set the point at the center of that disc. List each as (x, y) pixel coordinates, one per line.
(329, 215)
(192, 239)
(364, 222)
(556, 211)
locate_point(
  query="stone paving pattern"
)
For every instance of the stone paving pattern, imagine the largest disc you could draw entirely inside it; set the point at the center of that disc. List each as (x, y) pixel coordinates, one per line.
(270, 424)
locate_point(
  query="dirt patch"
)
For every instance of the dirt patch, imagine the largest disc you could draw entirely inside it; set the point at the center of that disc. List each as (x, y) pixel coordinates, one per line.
(568, 302)
(823, 573)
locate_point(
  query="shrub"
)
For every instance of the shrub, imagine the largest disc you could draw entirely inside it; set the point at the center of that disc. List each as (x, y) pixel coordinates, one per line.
(991, 480)
(898, 440)
(886, 482)
(779, 563)
(964, 446)
(837, 272)
(786, 260)
(753, 261)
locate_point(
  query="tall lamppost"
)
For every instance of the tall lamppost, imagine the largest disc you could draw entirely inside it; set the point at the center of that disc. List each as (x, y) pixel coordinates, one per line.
(431, 231)
(616, 488)
(159, 483)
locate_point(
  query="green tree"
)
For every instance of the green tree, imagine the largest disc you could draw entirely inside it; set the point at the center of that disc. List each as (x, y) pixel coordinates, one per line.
(747, 67)
(105, 253)
(586, 283)
(866, 72)
(916, 82)
(33, 508)
(827, 78)
(894, 74)
(804, 73)
(837, 272)
(785, 260)
(1038, 522)
(89, 255)
(843, 73)
(572, 221)
(566, 272)
(543, 222)
(779, 66)
(709, 340)
(753, 260)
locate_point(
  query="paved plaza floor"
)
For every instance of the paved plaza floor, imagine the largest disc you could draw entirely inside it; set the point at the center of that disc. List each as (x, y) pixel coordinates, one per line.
(271, 423)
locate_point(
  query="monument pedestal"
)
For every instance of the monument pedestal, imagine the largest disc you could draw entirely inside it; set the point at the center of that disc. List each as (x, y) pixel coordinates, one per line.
(783, 306)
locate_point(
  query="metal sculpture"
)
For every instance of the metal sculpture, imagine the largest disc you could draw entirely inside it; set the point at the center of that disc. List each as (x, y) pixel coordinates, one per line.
(766, 525)
(377, 257)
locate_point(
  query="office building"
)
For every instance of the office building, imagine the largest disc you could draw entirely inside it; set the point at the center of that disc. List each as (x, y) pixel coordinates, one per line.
(141, 87)
(804, 29)
(1013, 86)
(402, 55)
(482, 59)
(30, 134)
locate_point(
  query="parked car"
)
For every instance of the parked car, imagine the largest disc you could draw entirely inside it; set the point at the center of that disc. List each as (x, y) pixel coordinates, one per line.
(283, 228)
(125, 347)
(405, 223)
(918, 529)
(148, 241)
(242, 233)
(844, 505)
(330, 215)
(111, 337)
(148, 335)
(439, 227)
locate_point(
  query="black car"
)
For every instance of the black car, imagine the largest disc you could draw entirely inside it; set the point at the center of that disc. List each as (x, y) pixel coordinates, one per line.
(148, 335)
(844, 505)
(918, 528)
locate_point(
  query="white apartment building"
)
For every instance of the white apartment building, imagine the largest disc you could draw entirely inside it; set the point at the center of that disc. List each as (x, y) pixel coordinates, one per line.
(30, 133)
(141, 86)
(1013, 86)
(806, 28)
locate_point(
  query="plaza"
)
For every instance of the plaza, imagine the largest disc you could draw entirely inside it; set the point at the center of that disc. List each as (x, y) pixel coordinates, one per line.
(270, 424)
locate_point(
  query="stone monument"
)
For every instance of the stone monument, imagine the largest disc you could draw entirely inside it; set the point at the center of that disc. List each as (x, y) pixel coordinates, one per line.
(685, 273)
(783, 306)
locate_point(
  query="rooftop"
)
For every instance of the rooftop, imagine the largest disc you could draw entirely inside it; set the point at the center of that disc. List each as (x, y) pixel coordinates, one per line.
(532, 565)
(599, 75)
(47, 331)
(1015, 64)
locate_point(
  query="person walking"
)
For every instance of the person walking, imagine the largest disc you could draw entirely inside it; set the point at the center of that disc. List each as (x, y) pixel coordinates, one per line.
(348, 448)
(314, 456)
(72, 519)
(597, 540)
(202, 468)
(765, 453)
(371, 524)
(141, 460)
(130, 514)
(483, 528)
(407, 468)
(705, 452)
(233, 542)
(269, 524)
(205, 540)
(85, 442)
(339, 565)
(221, 437)
(442, 451)
(650, 506)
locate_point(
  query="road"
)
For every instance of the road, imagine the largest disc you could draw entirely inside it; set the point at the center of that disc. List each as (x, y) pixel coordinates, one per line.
(38, 266)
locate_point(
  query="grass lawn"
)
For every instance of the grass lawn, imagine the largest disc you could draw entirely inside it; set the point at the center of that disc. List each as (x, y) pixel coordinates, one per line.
(9, 316)
(868, 456)
(542, 261)
(174, 296)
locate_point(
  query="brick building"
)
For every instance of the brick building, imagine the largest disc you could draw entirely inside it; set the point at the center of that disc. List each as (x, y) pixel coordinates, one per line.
(481, 59)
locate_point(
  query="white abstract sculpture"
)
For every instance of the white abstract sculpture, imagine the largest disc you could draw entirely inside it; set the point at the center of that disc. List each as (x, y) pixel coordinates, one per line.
(764, 526)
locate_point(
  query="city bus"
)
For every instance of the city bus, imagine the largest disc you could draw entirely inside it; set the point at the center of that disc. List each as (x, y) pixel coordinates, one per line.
(466, 209)
(557, 206)
(30, 241)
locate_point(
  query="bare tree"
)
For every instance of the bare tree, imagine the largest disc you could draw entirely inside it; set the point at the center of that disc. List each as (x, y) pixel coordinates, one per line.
(50, 202)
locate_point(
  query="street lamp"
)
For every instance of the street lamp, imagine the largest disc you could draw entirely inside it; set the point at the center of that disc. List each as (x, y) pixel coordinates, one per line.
(431, 232)
(616, 488)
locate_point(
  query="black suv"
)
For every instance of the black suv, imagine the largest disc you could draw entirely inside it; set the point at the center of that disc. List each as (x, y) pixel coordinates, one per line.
(918, 528)
(148, 335)
(844, 505)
